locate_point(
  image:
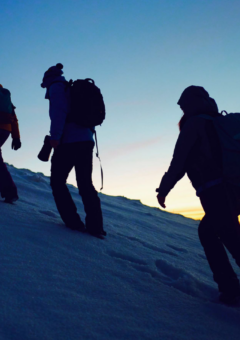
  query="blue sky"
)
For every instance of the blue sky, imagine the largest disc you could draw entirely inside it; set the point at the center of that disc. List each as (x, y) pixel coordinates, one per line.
(142, 54)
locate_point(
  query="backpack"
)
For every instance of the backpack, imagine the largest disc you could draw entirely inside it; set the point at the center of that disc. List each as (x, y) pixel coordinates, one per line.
(228, 130)
(87, 107)
(86, 103)
(5, 101)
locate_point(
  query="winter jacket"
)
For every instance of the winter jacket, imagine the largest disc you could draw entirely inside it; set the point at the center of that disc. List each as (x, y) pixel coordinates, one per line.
(11, 126)
(8, 118)
(59, 107)
(197, 153)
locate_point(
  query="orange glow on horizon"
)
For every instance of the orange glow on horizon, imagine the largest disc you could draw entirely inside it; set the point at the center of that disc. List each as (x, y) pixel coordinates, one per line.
(195, 213)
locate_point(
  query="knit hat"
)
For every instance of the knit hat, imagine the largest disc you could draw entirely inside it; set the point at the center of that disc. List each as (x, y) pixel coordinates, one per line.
(51, 73)
(1, 85)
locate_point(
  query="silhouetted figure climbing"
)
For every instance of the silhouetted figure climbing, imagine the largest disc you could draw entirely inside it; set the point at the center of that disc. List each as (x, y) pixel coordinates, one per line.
(199, 153)
(73, 147)
(8, 125)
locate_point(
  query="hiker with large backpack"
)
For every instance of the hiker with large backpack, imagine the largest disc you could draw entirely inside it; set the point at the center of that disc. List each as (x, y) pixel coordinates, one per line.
(8, 125)
(208, 150)
(74, 109)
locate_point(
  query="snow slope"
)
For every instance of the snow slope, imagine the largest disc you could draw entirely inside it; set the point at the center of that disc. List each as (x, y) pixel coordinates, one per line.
(148, 279)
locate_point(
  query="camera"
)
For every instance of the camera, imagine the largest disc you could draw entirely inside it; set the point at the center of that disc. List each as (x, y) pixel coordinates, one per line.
(45, 152)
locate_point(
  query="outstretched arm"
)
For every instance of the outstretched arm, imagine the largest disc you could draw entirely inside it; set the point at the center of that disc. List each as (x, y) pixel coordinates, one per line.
(177, 169)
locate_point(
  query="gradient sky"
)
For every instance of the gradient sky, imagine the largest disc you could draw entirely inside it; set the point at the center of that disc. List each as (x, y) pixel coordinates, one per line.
(142, 54)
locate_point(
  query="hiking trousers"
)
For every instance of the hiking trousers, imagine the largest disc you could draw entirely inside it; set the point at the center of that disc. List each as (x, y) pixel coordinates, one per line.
(8, 188)
(219, 229)
(76, 155)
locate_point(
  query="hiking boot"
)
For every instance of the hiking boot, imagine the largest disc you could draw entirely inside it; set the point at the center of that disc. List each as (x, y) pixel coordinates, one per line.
(230, 298)
(76, 224)
(78, 227)
(11, 199)
(10, 194)
(96, 233)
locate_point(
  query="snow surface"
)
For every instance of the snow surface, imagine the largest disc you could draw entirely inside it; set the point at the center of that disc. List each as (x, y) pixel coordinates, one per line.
(148, 279)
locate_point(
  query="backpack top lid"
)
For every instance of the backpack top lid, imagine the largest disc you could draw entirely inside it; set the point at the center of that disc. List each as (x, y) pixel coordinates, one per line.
(228, 124)
(87, 107)
(231, 124)
(5, 100)
(82, 82)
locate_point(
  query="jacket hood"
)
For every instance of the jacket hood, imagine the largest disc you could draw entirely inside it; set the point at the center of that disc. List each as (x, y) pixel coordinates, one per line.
(195, 100)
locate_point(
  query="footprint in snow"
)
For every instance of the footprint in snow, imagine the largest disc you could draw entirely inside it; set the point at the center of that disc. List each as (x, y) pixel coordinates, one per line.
(27, 202)
(48, 213)
(163, 251)
(182, 280)
(127, 258)
(179, 249)
(168, 269)
(148, 245)
(152, 247)
(146, 270)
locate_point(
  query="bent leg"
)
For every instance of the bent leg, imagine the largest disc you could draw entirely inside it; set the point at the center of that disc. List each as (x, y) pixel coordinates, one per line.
(223, 273)
(216, 230)
(8, 188)
(229, 229)
(91, 201)
(62, 164)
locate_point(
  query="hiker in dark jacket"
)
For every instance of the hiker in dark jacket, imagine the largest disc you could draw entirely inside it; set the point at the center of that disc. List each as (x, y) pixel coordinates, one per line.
(8, 125)
(198, 153)
(73, 147)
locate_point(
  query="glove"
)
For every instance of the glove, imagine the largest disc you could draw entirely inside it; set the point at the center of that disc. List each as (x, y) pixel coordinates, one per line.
(16, 143)
(161, 201)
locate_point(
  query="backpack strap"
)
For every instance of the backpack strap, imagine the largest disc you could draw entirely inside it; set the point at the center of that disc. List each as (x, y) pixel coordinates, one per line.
(208, 117)
(97, 154)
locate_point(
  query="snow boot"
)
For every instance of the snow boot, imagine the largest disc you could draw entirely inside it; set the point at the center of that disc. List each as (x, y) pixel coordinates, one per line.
(98, 234)
(10, 199)
(230, 298)
(76, 224)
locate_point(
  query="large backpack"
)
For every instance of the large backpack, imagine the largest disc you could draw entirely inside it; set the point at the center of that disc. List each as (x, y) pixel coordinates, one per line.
(228, 130)
(86, 103)
(5, 101)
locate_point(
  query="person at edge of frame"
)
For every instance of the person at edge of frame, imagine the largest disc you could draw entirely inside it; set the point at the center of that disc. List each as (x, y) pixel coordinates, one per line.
(8, 125)
(198, 153)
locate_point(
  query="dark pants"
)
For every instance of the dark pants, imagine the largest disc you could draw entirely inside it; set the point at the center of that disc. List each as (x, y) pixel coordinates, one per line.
(65, 157)
(218, 229)
(8, 188)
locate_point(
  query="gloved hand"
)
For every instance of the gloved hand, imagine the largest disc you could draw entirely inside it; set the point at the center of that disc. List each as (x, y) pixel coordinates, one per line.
(161, 201)
(16, 143)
